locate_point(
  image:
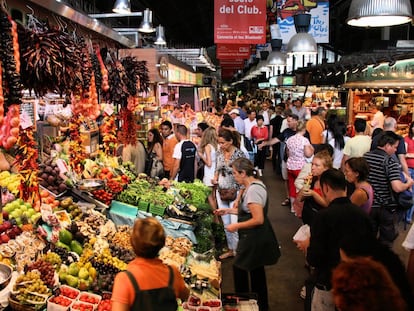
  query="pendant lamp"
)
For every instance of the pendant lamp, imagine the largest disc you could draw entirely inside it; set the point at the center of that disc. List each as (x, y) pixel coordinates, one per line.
(302, 43)
(276, 58)
(122, 7)
(160, 38)
(379, 13)
(146, 24)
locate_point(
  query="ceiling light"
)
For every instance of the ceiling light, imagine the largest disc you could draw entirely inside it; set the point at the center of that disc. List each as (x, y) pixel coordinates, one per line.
(276, 58)
(302, 43)
(146, 24)
(122, 7)
(379, 13)
(160, 39)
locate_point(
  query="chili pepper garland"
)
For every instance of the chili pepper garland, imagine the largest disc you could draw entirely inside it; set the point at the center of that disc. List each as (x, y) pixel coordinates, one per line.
(128, 133)
(76, 150)
(108, 133)
(26, 161)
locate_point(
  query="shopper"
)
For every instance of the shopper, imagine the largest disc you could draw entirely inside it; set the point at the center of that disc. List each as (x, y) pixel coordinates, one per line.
(358, 145)
(259, 134)
(356, 172)
(249, 122)
(316, 125)
(330, 226)
(311, 194)
(184, 167)
(148, 284)
(207, 153)
(338, 142)
(154, 166)
(409, 142)
(354, 247)
(292, 122)
(365, 284)
(384, 177)
(298, 109)
(258, 246)
(168, 144)
(227, 188)
(238, 121)
(298, 149)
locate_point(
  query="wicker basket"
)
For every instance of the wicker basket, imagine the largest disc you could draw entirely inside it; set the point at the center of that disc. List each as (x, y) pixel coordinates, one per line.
(17, 306)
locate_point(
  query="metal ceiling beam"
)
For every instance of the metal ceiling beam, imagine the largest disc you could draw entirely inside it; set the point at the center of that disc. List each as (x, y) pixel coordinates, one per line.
(62, 9)
(105, 15)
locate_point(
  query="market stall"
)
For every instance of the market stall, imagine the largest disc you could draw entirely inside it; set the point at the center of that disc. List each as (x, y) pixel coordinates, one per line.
(68, 201)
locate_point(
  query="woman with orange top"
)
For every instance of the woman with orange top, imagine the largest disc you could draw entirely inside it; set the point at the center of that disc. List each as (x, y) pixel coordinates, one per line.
(148, 283)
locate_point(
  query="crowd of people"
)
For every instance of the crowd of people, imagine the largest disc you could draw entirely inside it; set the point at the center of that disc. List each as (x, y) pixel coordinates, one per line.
(344, 185)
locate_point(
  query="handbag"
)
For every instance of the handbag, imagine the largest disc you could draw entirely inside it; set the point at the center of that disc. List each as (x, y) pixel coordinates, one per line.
(228, 194)
(157, 168)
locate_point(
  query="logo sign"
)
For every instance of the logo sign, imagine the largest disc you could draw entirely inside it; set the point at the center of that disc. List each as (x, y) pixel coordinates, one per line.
(319, 25)
(233, 51)
(240, 21)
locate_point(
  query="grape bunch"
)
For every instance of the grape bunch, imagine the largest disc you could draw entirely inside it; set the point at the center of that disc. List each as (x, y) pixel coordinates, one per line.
(47, 271)
(105, 260)
(53, 258)
(104, 268)
(66, 257)
(30, 287)
(126, 255)
(104, 282)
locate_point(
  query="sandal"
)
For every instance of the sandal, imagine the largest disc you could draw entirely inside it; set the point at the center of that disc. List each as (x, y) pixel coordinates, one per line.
(226, 255)
(286, 202)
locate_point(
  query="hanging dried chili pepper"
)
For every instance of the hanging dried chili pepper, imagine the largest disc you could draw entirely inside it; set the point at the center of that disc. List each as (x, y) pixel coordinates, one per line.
(108, 133)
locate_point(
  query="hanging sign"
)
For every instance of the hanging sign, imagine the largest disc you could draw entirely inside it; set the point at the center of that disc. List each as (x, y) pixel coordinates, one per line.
(233, 51)
(240, 21)
(319, 26)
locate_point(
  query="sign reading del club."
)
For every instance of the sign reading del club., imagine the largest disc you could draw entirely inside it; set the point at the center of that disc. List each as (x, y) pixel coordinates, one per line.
(240, 21)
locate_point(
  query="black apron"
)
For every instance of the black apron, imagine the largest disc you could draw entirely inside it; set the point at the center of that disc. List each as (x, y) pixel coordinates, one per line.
(257, 246)
(157, 299)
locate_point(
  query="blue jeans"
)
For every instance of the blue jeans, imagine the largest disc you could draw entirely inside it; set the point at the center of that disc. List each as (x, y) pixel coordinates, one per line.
(409, 213)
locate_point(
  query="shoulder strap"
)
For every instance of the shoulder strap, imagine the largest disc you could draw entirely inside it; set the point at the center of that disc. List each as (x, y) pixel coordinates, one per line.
(133, 281)
(171, 281)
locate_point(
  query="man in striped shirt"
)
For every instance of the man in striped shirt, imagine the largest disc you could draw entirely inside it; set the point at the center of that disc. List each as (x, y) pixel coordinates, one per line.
(382, 180)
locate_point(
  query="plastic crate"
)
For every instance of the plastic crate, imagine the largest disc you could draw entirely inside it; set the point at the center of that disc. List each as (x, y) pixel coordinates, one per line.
(143, 206)
(80, 305)
(123, 209)
(97, 299)
(52, 306)
(157, 209)
(71, 289)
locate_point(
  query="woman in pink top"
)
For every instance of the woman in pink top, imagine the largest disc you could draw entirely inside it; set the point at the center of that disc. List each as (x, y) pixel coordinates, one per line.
(356, 172)
(409, 145)
(298, 149)
(259, 134)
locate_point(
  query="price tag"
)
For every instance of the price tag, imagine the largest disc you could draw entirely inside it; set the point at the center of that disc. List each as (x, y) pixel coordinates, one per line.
(109, 110)
(25, 120)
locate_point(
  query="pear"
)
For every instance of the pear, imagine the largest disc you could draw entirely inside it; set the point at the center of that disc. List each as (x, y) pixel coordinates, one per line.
(73, 269)
(72, 280)
(83, 273)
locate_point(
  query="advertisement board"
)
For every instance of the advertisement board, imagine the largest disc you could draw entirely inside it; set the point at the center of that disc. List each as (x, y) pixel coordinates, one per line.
(240, 21)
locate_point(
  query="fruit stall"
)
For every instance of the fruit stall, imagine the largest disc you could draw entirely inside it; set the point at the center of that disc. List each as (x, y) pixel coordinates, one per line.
(67, 210)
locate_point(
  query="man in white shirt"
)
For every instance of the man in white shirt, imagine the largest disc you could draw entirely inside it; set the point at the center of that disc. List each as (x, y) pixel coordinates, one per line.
(238, 122)
(249, 122)
(378, 118)
(299, 110)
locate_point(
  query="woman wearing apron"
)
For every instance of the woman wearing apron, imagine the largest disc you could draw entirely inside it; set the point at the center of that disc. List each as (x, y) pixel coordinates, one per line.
(258, 246)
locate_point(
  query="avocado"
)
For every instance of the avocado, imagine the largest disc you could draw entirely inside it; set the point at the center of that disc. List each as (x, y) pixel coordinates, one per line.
(65, 236)
(62, 245)
(76, 247)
